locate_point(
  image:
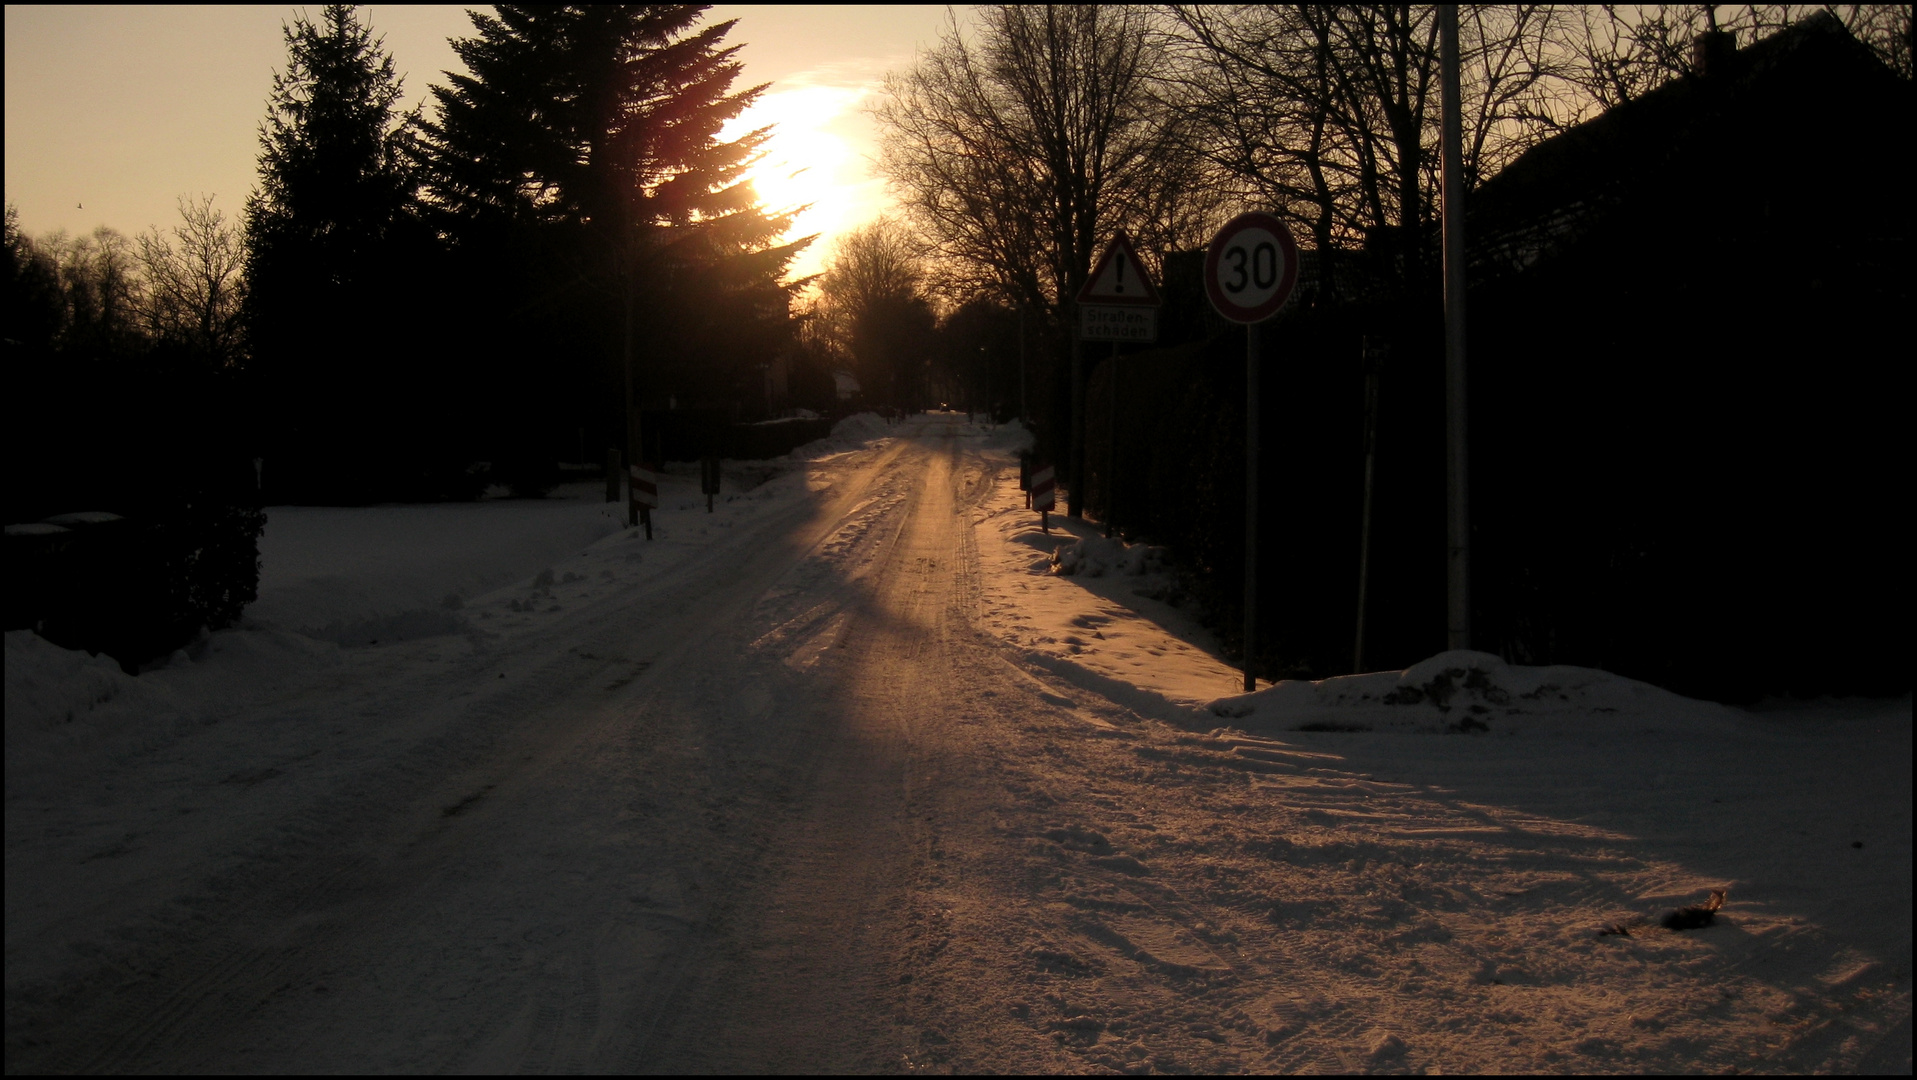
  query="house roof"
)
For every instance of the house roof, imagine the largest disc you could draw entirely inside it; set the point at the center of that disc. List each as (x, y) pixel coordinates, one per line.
(1769, 96)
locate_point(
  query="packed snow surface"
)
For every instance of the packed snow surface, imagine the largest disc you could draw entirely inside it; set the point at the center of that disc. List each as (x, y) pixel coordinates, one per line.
(866, 770)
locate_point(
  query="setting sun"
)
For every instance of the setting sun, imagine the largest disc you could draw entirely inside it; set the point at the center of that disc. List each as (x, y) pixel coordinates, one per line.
(809, 163)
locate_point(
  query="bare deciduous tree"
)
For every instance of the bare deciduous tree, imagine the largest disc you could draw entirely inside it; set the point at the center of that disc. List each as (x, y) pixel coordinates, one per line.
(873, 309)
(1619, 54)
(1889, 30)
(95, 314)
(1328, 113)
(1019, 153)
(195, 285)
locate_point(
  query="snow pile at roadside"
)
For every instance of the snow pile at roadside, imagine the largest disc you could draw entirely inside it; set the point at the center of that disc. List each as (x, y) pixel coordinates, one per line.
(854, 432)
(70, 712)
(354, 575)
(1096, 556)
(65, 706)
(48, 686)
(1009, 437)
(980, 424)
(1458, 691)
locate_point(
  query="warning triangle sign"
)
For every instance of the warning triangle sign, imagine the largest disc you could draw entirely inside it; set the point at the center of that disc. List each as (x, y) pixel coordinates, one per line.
(1119, 278)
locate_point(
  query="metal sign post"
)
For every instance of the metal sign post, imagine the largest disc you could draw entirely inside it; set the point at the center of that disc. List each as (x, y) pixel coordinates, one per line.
(709, 478)
(1250, 270)
(1111, 450)
(1457, 469)
(1117, 303)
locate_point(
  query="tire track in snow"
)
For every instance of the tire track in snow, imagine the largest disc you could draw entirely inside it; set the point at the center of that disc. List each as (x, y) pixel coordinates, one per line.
(821, 914)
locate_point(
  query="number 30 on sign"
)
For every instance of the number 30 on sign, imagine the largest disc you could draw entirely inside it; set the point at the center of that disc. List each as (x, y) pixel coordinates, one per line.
(1251, 267)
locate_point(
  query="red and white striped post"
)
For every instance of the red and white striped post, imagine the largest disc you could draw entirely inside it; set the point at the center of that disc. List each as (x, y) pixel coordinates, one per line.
(1044, 496)
(645, 494)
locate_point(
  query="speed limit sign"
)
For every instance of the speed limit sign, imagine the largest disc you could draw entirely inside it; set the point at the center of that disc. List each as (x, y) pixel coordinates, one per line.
(1251, 267)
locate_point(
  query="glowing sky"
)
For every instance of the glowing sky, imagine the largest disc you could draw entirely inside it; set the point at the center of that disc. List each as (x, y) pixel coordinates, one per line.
(112, 113)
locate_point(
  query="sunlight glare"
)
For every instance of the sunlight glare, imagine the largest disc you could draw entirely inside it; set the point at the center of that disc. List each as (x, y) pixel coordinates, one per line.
(809, 162)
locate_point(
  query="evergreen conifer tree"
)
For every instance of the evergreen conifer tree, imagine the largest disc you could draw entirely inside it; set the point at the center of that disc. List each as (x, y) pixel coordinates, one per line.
(580, 163)
(332, 243)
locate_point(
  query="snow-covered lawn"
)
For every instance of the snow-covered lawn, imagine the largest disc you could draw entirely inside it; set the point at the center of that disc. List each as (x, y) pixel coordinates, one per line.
(1393, 871)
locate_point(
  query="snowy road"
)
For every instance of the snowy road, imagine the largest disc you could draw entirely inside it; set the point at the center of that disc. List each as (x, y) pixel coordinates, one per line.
(788, 806)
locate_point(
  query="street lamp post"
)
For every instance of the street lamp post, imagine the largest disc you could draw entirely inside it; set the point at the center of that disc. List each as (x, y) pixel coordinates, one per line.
(1457, 470)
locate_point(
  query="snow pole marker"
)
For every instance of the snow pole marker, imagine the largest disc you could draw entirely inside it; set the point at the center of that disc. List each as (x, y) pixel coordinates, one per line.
(709, 478)
(645, 494)
(1044, 496)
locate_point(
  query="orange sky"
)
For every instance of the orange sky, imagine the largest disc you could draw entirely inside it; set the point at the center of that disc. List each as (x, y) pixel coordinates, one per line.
(114, 112)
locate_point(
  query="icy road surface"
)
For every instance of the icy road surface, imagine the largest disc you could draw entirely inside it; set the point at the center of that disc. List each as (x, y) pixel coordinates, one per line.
(811, 785)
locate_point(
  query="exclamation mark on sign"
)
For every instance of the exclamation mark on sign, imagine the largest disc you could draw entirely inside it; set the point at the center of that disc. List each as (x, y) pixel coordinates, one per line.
(1120, 259)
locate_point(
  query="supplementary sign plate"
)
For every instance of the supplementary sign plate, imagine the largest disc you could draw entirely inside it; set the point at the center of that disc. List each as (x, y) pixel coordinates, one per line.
(1101, 322)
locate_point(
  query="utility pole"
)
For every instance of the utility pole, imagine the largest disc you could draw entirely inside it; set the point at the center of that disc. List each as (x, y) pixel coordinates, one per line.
(1373, 368)
(1457, 473)
(1111, 445)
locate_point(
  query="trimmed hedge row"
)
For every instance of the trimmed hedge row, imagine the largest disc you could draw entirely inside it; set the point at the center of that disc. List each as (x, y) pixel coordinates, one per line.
(691, 434)
(136, 587)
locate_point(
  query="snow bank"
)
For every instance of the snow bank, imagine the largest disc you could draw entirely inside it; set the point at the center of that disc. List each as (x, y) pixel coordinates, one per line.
(65, 707)
(1010, 437)
(1458, 691)
(48, 686)
(1096, 556)
(855, 432)
(70, 712)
